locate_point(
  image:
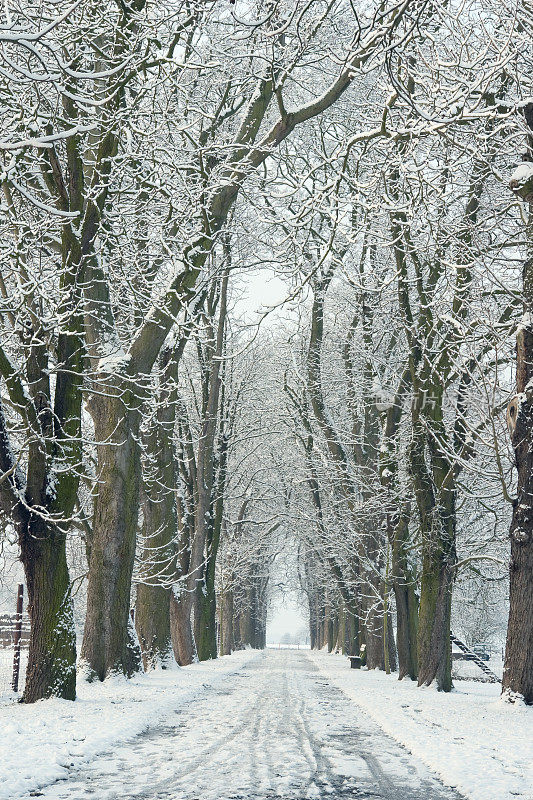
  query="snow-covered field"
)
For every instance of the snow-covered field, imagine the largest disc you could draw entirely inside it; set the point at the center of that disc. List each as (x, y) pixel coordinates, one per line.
(472, 739)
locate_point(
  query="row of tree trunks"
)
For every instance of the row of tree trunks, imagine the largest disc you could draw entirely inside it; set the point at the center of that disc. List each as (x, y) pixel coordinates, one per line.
(352, 631)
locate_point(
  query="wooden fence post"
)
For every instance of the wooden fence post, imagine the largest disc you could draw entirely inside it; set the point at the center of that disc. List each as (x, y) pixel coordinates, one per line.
(16, 640)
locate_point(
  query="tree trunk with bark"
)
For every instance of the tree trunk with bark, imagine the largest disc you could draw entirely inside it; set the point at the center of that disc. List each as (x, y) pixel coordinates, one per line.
(518, 670)
(181, 630)
(41, 503)
(437, 530)
(227, 644)
(404, 587)
(160, 520)
(152, 623)
(52, 651)
(107, 643)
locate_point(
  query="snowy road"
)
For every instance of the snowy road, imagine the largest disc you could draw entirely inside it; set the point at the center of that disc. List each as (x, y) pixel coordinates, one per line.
(279, 729)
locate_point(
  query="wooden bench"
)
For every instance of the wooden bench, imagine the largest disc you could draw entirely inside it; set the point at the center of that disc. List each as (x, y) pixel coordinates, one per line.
(355, 662)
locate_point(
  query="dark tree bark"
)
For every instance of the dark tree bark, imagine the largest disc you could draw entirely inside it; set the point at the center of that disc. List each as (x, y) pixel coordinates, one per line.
(437, 529)
(52, 652)
(518, 670)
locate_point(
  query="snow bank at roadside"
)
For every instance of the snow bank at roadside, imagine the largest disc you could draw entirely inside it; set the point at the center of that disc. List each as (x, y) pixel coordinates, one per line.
(40, 743)
(474, 741)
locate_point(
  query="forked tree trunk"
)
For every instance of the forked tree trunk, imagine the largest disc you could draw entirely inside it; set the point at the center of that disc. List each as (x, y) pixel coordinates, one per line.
(107, 643)
(52, 651)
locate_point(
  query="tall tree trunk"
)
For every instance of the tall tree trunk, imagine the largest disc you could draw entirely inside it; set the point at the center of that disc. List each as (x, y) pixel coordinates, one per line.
(160, 521)
(434, 647)
(206, 607)
(152, 623)
(404, 586)
(208, 511)
(205, 627)
(227, 645)
(437, 529)
(312, 619)
(330, 630)
(245, 625)
(375, 639)
(353, 644)
(107, 643)
(52, 652)
(181, 629)
(181, 632)
(152, 603)
(518, 670)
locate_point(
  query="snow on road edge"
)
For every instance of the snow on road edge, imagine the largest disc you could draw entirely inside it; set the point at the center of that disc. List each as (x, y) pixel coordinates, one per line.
(41, 743)
(470, 738)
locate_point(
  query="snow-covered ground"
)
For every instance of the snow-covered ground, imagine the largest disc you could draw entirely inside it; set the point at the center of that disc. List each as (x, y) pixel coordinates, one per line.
(472, 739)
(468, 670)
(44, 742)
(273, 728)
(274, 724)
(6, 670)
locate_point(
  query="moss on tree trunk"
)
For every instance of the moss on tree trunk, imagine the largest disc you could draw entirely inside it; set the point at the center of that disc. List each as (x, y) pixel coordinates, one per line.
(52, 651)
